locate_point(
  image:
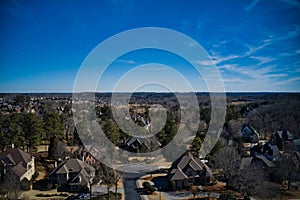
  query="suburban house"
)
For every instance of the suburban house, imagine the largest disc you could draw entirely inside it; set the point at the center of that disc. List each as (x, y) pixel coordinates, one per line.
(14, 161)
(250, 134)
(268, 150)
(259, 161)
(87, 153)
(187, 170)
(141, 144)
(280, 138)
(296, 144)
(72, 175)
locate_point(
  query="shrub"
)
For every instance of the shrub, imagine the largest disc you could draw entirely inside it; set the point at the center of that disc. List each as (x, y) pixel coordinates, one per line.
(25, 184)
(227, 196)
(43, 185)
(172, 185)
(149, 188)
(35, 175)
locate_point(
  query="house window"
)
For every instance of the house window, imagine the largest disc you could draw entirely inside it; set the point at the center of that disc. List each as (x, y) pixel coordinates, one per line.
(189, 172)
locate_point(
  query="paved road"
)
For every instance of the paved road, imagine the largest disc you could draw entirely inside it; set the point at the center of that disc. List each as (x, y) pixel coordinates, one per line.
(129, 184)
(130, 176)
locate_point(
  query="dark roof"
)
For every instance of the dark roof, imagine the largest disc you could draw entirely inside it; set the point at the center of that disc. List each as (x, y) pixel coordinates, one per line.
(245, 162)
(249, 130)
(281, 134)
(15, 156)
(19, 169)
(140, 140)
(72, 165)
(186, 160)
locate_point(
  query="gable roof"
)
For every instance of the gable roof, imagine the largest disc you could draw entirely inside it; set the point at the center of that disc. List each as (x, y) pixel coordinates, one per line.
(245, 162)
(186, 160)
(19, 169)
(282, 133)
(140, 140)
(249, 130)
(15, 156)
(71, 165)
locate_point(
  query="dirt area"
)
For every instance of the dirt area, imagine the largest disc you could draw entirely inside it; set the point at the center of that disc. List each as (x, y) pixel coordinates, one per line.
(41, 170)
(156, 196)
(236, 103)
(292, 194)
(220, 186)
(42, 148)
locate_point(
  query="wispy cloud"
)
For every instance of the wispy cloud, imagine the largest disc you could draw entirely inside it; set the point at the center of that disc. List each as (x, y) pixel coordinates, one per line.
(288, 81)
(252, 72)
(214, 60)
(263, 60)
(153, 68)
(292, 2)
(20, 10)
(291, 34)
(126, 61)
(252, 5)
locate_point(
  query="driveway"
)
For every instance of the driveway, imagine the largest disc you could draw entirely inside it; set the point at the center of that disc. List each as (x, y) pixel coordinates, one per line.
(133, 172)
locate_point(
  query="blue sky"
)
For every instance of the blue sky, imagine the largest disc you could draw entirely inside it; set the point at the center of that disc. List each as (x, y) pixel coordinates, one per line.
(255, 44)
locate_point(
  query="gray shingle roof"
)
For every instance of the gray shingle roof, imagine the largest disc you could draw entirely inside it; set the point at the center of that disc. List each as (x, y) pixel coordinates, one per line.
(73, 165)
(245, 162)
(17, 158)
(186, 160)
(15, 155)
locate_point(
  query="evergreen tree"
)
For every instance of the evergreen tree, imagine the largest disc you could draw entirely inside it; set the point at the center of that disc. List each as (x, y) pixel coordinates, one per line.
(54, 126)
(32, 130)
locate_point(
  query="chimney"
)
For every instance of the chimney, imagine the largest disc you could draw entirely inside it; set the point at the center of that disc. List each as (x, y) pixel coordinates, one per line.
(12, 145)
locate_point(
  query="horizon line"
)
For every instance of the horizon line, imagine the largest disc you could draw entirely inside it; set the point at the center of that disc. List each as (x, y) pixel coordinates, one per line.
(167, 92)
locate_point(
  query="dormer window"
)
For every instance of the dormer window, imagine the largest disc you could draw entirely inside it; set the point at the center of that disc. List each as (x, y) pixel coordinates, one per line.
(189, 171)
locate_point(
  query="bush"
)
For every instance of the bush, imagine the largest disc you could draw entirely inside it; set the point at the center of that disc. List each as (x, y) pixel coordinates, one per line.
(43, 185)
(149, 188)
(227, 196)
(25, 184)
(202, 198)
(35, 175)
(172, 185)
(52, 195)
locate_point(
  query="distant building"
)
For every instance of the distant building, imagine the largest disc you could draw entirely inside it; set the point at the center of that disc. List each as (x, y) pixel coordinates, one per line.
(250, 134)
(268, 150)
(296, 143)
(281, 138)
(73, 175)
(16, 162)
(141, 144)
(187, 170)
(257, 161)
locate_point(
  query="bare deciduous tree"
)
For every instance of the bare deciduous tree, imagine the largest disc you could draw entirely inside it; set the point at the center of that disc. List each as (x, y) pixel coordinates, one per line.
(228, 160)
(11, 187)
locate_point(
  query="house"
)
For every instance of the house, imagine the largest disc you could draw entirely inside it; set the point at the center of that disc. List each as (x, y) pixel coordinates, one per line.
(268, 150)
(87, 153)
(141, 144)
(281, 138)
(259, 161)
(72, 175)
(296, 144)
(187, 170)
(16, 162)
(250, 134)
(296, 158)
